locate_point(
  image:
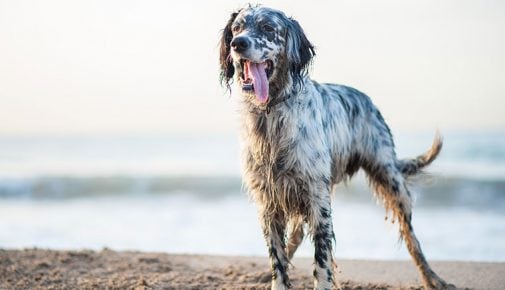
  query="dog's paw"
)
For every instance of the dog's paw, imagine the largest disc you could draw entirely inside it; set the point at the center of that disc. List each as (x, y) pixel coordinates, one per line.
(437, 283)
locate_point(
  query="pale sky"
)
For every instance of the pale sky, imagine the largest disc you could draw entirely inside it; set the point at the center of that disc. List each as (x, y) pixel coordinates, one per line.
(87, 67)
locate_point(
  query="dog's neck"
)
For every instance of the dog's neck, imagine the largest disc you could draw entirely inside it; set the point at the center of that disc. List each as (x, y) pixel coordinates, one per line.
(270, 106)
(277, 101)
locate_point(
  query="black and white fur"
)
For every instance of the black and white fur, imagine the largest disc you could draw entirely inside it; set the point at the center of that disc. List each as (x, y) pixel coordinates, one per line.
(307, 138)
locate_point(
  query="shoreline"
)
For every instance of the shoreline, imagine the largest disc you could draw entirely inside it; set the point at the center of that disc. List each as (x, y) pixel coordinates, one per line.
(59, 269)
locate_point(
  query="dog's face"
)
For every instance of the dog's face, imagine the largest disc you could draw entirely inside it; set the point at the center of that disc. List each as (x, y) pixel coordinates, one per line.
(264, 49)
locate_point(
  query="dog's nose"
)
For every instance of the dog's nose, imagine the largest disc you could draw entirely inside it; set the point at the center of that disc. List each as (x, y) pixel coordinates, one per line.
(240, 44)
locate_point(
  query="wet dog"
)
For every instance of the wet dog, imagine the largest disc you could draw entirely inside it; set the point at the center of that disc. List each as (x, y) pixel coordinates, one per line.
(302, 138)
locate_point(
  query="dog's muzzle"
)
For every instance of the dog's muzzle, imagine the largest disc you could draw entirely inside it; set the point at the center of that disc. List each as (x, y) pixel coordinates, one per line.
(240, 44)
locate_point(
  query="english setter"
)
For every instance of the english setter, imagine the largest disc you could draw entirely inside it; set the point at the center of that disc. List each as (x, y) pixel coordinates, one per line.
(302, 138)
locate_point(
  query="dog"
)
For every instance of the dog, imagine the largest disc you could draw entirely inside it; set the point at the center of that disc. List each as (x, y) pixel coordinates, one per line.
(301, 138)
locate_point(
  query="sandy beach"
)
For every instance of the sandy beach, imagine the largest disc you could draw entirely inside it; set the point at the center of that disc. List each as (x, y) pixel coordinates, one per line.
(107, 269)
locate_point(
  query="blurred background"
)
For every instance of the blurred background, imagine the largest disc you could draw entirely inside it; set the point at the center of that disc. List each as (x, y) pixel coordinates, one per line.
(115, 132)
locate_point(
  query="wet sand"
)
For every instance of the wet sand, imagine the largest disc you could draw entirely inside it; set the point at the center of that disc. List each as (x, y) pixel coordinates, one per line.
(107, 269)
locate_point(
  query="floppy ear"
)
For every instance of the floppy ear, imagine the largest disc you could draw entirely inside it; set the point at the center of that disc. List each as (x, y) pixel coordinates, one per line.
(227, 69)
(299, 51)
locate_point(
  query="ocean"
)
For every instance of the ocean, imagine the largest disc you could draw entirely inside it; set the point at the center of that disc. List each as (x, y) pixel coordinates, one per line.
(183, 194)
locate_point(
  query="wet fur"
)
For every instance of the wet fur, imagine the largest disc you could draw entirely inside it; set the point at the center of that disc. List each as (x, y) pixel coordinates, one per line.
(305, 140)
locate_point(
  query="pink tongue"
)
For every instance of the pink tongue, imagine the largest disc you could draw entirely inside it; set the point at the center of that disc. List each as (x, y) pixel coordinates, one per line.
(260, 81)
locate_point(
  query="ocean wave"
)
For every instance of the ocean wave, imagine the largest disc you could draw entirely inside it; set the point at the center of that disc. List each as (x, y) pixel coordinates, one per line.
(71, 187)
(430, 191)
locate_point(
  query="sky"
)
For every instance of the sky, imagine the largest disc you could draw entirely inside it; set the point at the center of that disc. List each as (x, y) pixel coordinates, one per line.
(114, 66)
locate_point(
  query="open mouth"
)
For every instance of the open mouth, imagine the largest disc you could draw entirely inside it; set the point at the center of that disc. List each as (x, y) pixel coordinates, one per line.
(255, 78)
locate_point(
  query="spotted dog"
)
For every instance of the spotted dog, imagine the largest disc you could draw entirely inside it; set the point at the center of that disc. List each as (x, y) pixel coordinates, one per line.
(302, 138)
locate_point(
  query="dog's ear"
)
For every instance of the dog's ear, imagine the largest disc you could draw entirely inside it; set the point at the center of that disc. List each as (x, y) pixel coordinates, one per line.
(227, 69)
(299, 51)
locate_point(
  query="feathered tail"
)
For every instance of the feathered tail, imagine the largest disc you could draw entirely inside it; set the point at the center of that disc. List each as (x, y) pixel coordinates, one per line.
(412, 166)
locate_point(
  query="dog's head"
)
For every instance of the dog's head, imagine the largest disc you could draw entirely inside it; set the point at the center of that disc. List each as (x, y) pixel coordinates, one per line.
(266, 51)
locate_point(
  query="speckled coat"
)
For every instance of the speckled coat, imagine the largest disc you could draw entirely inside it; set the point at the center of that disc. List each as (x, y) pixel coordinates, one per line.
(307, 138)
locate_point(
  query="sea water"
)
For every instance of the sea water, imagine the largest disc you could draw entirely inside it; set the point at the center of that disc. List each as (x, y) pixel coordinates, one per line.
(183, 194)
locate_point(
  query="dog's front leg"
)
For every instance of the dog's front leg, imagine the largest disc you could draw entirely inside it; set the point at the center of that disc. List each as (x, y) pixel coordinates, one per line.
(322, 232)
(274, 229)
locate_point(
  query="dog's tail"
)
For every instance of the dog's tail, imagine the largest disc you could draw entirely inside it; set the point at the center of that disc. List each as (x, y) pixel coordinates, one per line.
(412, 166)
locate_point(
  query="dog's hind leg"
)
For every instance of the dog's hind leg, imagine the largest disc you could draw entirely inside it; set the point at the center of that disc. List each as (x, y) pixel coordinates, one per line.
(390, 186)
(296, 235)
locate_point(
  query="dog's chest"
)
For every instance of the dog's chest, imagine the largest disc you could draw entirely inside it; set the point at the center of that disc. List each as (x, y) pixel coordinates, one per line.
(281, 163)
(285, 147)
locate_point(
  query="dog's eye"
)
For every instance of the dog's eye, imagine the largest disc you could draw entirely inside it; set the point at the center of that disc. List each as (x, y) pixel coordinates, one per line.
(235, 28)
(267, 28)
